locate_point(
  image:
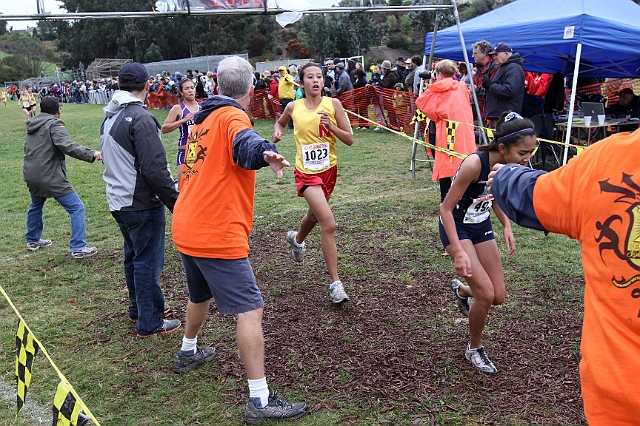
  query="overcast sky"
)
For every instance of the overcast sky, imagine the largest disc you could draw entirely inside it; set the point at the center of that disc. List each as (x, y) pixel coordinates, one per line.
(24, 7)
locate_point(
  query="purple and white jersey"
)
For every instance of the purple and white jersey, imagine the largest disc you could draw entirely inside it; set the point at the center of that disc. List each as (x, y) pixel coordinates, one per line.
(185, 129)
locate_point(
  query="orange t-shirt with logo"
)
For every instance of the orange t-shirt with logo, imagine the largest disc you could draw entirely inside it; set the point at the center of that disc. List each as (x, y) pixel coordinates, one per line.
(595, 199)
(214, 212)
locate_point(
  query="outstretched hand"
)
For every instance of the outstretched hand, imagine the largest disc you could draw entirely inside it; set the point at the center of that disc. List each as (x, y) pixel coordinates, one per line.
(276, 161)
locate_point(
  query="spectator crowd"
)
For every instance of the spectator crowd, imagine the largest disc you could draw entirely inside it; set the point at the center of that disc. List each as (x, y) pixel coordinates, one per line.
(381, 95)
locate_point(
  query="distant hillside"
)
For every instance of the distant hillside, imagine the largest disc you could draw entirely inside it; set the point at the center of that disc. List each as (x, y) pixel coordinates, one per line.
(378, 54)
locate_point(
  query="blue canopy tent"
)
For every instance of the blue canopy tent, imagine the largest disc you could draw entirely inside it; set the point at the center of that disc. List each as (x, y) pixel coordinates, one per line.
(589, 38)
(547, 33)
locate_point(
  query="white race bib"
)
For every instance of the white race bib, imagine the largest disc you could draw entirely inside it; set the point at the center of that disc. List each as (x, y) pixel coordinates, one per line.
(479, 210)
(316, 156)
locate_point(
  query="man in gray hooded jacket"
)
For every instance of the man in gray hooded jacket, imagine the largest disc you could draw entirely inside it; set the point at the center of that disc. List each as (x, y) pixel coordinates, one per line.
(45, 172)
(139, 186)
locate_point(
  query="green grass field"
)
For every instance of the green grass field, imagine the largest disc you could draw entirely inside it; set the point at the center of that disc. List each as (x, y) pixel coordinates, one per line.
(387, 239)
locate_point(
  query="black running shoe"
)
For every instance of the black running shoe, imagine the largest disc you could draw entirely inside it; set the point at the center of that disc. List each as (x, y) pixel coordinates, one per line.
(275, 409)
(183, 363)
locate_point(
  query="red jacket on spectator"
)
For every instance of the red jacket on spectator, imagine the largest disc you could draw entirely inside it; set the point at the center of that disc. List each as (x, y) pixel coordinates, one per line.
(273, 88)
(490, 68)
(536, 83)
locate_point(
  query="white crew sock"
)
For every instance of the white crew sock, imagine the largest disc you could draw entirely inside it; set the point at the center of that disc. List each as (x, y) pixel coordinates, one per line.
(259, 389)
(189, 345)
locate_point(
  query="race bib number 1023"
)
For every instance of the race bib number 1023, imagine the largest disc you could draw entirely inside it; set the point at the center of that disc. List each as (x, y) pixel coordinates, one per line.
(316, 156)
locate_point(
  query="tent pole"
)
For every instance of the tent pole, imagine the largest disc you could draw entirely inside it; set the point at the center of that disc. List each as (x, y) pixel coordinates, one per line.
(416, 128)
(433, 40)
(469, 69)
(574, 84)
(416, 131)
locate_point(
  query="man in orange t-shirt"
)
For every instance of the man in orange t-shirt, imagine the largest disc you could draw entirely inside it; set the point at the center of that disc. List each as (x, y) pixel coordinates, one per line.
(595, 199)
(212, 220)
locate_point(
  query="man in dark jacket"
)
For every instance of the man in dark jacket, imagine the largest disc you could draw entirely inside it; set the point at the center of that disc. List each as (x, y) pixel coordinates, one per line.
(389, 76)
(351, 68)
(342, 81)
(389, 80)
(401, 69)
(139, 186)
(344, 87)
(259, 83)
(408, 79)
(628, 105)
(505, 90)
(45, 173)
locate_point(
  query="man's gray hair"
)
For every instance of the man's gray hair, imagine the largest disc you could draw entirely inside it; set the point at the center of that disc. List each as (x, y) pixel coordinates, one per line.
(484, 46)
(235, 77)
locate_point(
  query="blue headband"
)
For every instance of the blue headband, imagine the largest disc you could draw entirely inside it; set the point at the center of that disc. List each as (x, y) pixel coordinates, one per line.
(515, 133)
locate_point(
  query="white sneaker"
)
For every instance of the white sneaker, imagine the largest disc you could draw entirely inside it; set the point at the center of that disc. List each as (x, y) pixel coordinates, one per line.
(378, 128)
(85, 251)
(480, 360)
(40, 243)
(337, 293)
(296, 249)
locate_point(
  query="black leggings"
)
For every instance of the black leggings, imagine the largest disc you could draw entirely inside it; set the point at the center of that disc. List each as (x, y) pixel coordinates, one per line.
(445, 184)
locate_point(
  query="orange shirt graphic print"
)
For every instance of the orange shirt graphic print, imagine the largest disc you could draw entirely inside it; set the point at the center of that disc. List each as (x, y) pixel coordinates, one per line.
(194, 153)
(609, 238)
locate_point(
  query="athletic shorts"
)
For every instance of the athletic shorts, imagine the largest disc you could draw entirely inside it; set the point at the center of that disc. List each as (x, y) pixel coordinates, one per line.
(326, 179)
(230, 282)
(476, 232)
(27, 108)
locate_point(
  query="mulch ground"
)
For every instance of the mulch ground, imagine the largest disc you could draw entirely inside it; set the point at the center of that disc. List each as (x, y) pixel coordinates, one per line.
(398, 345)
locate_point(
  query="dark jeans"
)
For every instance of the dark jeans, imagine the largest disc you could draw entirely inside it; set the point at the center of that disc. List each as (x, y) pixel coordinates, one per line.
(143, 233)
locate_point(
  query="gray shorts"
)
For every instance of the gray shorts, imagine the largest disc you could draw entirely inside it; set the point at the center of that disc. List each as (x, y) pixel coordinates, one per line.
(230, 282)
